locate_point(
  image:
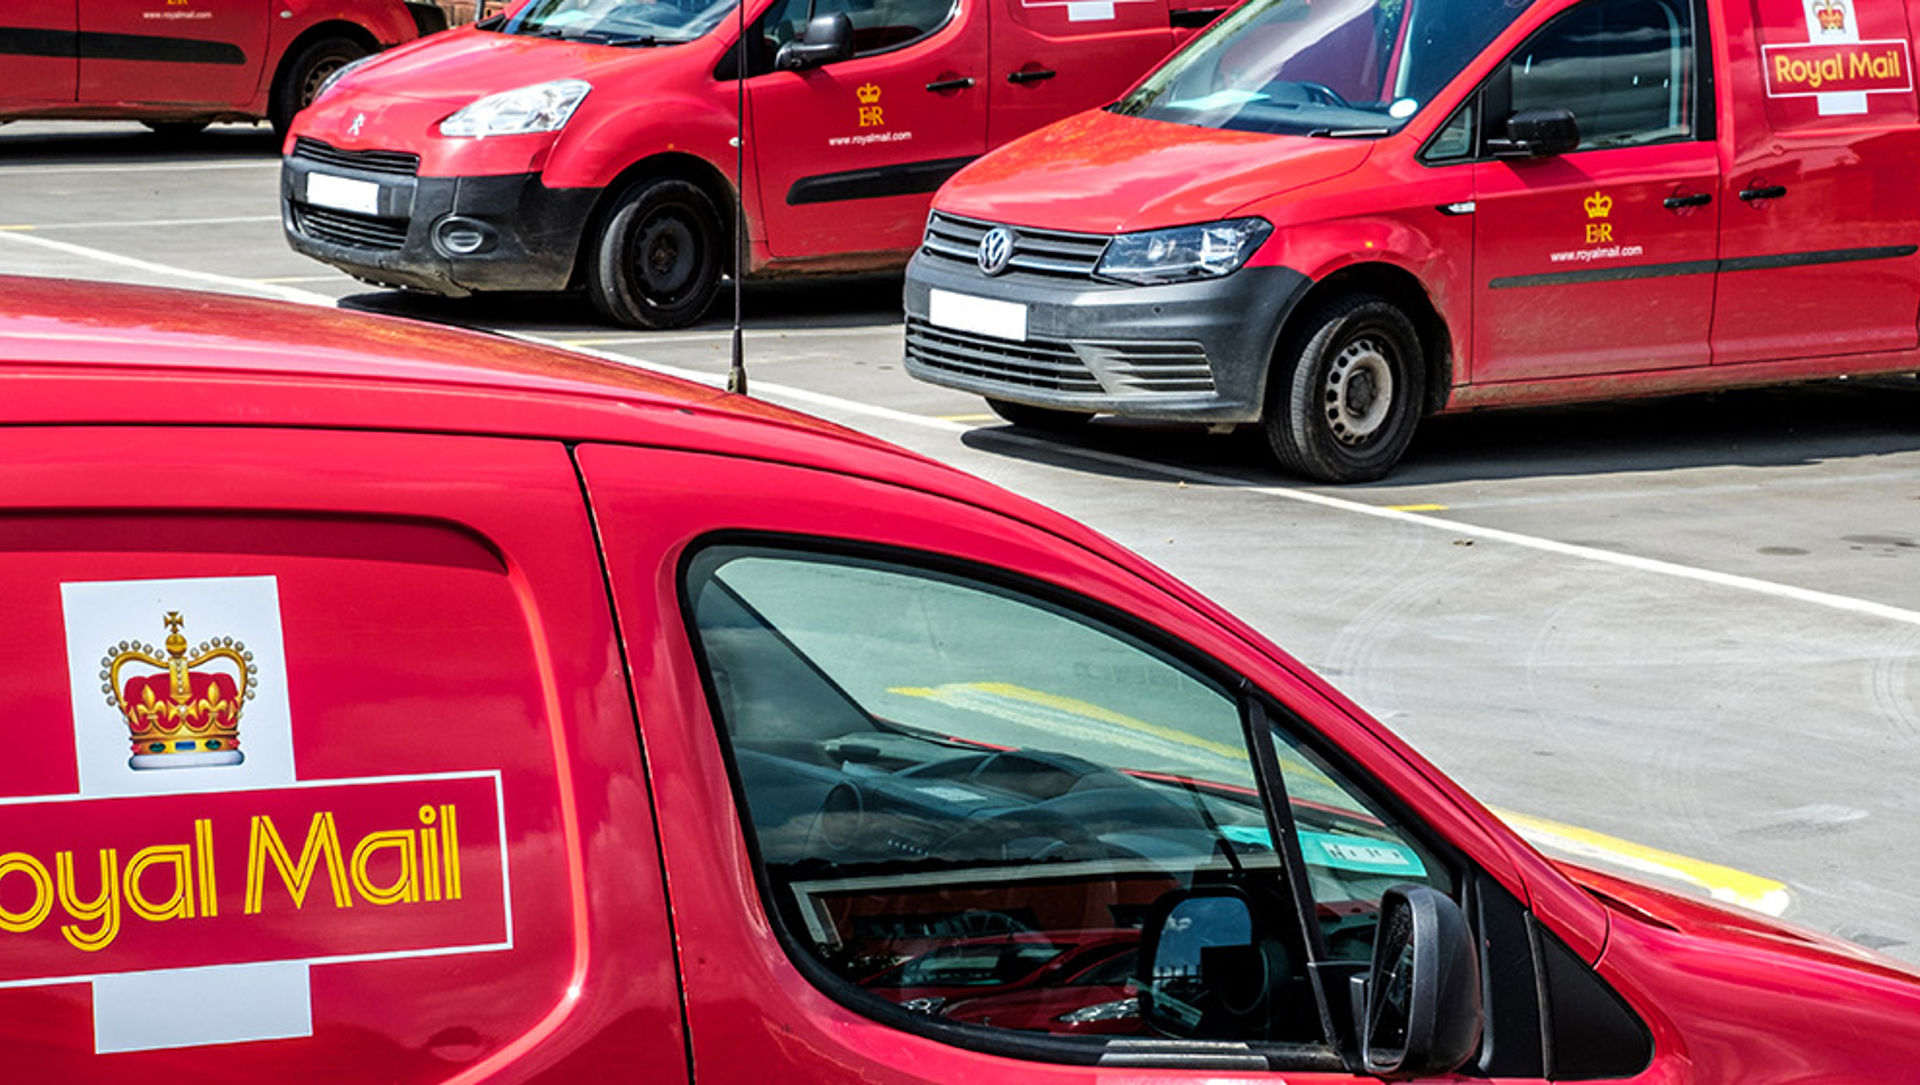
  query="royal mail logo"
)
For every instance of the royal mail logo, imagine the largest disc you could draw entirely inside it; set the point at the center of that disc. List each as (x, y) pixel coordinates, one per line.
(1870, 67)
(868, 93)
(184, 709)
(191, 866)
(1830, 16)
(1599, 205)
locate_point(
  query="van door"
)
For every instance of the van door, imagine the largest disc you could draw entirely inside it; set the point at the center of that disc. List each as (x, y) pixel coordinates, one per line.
(1052, 58)
(40, 52)
(848, 152)
(194, 52)
(1600, 260)
(1818, 223)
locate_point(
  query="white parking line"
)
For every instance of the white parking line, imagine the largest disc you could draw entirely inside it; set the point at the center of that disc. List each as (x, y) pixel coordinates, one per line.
(168, 272)
(147, 222)
(150, 167)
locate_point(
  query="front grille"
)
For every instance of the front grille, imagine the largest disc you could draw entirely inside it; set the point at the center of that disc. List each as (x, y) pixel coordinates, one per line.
(1134, 366)
(398, 163)
(347, 228)
(1037, 363)
(1043, 252)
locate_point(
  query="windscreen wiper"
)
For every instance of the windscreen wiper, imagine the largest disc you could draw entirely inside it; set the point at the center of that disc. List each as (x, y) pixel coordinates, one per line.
(1349, 133)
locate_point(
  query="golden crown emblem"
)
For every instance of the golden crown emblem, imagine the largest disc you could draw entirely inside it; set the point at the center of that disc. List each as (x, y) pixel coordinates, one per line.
(1599, 206)
(178, 714)
(1831, 13)
(869, 93)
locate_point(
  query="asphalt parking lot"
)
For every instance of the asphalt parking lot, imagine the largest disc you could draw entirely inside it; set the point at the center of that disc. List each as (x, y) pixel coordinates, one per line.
(1679, 634)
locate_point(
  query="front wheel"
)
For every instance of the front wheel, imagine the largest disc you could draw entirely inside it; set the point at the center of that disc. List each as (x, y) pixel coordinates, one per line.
(300, 76)
(656, 261)
(1346, 391)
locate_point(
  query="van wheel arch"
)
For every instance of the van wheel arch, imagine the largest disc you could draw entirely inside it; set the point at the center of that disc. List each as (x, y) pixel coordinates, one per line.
(285, 81)
(1394, 303)
(679, 167)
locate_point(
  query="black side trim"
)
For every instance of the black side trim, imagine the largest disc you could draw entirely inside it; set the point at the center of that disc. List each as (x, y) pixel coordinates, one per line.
(1594, 1034)
(22, 42)
(908, 180)
(1704, 267)
(92, 46)
(1607, 274)
(1831, 256)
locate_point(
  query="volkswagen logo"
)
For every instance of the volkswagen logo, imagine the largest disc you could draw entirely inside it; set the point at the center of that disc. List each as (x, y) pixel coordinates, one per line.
(996, 248)
(359, 121)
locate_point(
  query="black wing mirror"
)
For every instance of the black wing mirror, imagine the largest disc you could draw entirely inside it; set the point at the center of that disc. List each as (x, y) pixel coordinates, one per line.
(828, 38)
(1418, 1009)
(1537, 133)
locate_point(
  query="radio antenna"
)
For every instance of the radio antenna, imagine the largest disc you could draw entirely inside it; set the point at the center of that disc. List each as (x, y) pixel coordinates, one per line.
(737, 372)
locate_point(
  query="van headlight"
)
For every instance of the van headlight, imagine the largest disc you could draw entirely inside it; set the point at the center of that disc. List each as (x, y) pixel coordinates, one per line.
(542, 107)
(1207, 251)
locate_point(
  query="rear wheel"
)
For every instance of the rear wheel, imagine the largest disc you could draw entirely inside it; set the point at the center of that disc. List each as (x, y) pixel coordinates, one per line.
(1028, 416)
(1346, 391)
(301, 74)
(657, 260)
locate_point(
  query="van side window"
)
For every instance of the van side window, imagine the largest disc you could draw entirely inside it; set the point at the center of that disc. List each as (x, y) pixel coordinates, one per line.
(1624, 68)
(878, 25)
(975, 803)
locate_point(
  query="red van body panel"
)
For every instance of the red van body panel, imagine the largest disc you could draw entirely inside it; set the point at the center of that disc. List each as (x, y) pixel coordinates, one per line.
(201, 61)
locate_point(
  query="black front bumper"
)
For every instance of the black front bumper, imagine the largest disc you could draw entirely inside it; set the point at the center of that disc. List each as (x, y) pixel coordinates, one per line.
(1196, 351)
(446, 235)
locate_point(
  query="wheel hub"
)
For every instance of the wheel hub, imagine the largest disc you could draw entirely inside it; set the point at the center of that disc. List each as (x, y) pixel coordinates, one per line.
(1359, 391)
(666, 256)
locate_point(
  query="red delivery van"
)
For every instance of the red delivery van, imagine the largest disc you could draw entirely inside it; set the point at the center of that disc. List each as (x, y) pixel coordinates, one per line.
(1333, 218)
(416, 706)
(179, 65)
(592, 144)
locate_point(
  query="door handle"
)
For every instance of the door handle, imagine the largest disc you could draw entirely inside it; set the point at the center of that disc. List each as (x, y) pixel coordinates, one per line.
(1768, 192)
(941, 85)
(1691, 199)
(1031, 75)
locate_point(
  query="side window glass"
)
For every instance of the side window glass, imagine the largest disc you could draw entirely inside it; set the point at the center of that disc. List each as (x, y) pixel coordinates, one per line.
(1353, 849)
(1454, 141)
(1624, 68)
(878, 25)
(969, 801)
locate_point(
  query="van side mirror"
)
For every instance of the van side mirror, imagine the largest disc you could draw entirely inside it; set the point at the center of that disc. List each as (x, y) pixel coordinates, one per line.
(1206, 972)
(1417, 1010)
(828, 38)
(1537, 133)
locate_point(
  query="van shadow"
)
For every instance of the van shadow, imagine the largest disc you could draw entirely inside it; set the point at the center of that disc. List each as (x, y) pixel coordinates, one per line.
(853, 301)
(90, 143)
(1764, 427)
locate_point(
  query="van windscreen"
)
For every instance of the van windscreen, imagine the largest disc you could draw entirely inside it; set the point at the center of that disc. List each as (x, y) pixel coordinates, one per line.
(1320, 67)
(618, 22)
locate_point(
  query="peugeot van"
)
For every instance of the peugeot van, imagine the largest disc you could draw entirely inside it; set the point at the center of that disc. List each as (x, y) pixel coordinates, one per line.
(404, 705)
(594, 144)
(1331, 218)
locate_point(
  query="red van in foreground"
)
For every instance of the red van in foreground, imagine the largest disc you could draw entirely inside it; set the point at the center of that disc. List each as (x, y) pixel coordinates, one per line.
(593, 144)
(1334, 218)
(180, 65)
(406, 705)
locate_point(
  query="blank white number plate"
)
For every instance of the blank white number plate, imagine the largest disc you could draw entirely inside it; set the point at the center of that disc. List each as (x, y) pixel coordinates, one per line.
(343, 193)
(982, 316)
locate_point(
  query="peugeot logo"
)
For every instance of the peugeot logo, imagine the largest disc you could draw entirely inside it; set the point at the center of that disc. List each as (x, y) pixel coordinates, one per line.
(359, 120)
(996, 248)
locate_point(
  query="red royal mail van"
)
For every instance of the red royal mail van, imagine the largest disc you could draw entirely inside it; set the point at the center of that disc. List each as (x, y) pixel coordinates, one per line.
(591, 143)
(1334, 217)
(179, 65)
(415, 706)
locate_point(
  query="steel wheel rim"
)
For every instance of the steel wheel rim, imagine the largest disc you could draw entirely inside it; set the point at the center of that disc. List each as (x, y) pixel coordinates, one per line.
(1358, 395)
(666, 256)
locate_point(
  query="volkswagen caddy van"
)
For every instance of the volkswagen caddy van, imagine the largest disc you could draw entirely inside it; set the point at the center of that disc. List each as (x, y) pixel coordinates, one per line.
(179, 65)
(593, 144)
(413, 706)
(1333, 217)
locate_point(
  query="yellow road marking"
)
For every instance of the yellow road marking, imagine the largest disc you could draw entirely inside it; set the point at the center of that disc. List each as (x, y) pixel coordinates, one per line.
(1724, 883)
(1418, 508)
(280, 279)
(967, 419)
(16, 227)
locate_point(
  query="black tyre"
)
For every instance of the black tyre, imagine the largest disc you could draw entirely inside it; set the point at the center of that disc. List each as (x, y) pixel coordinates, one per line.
(656, 262)
(1346, 391)
(301, 74)
(1028, 416)
(176, 129)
